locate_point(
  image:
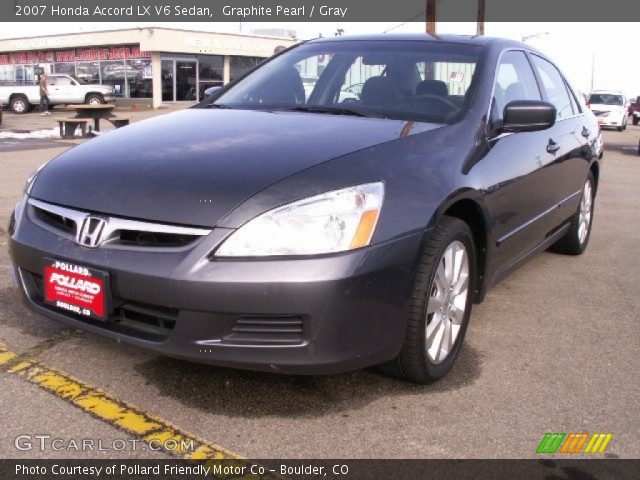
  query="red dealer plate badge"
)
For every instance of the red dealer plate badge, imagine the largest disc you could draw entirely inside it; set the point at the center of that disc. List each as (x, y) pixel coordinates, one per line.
(76, 289)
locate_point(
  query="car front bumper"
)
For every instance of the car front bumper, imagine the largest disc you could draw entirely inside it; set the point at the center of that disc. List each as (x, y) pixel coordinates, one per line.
(611, 121)
(315, 315)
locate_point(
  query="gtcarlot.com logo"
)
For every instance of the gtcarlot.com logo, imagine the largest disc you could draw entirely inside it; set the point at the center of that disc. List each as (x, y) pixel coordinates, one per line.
(574, 443)
(43, 443)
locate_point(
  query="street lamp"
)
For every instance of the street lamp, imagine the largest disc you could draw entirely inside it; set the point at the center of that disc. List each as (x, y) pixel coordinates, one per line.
(534, 35)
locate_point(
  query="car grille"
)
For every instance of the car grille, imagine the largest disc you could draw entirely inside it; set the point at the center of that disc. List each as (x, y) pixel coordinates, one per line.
(259, 330)
(149, 322)
(56, 221)
(120, 232)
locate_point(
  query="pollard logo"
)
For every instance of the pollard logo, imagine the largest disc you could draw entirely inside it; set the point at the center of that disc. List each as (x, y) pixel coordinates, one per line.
(574, 443)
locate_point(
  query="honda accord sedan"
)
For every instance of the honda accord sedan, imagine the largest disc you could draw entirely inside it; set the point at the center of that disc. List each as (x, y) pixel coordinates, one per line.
(288, 227)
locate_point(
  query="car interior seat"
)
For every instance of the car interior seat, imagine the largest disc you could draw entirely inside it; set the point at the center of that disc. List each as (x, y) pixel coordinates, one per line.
(378, 91)
(432, 87)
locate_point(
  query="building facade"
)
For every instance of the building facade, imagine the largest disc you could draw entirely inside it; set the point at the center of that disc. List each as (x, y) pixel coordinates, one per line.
(160, 64)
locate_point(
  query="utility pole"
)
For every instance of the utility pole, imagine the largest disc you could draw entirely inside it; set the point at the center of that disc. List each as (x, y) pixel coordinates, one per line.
(431, 17)
(480, 18)
(593, 68)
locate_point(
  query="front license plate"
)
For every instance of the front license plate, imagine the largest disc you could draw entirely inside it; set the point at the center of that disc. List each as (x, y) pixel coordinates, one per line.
(600, 120)
(76, 289)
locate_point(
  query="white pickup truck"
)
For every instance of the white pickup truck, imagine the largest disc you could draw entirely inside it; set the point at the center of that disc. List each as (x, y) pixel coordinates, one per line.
(63, 90)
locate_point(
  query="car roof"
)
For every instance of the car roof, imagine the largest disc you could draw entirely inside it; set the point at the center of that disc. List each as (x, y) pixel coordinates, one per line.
(464, 39)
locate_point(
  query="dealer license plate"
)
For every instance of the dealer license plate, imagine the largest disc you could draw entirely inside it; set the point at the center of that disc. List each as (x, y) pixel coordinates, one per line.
(76, 288)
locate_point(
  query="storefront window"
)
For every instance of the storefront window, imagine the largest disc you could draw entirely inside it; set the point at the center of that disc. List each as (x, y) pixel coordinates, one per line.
(113, 74)
(210, 72)
(88, 72)
(139, 78)
(240, 65)
(7, 73)
(66, 68)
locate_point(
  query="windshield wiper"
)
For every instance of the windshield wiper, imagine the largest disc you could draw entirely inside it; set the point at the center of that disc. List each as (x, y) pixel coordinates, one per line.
(330, 110)
(218, 105)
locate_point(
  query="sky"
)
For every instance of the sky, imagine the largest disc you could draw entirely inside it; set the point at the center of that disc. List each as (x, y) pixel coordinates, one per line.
(612, 49)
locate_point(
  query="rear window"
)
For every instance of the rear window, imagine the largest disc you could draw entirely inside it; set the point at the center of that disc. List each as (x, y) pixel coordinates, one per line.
(605, 99)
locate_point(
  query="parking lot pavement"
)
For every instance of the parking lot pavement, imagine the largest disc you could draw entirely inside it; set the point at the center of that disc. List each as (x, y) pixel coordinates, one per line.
(554, 347)
(34, 121)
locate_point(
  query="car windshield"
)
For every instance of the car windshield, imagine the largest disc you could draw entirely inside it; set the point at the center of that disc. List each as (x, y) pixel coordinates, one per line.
(605, 99)
(409, 80)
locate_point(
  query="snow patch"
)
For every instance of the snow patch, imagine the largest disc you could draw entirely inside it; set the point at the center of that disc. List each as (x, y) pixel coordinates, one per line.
(53, 133)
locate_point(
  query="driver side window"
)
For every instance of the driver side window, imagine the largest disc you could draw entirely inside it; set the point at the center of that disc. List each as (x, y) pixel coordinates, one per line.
(515, 81)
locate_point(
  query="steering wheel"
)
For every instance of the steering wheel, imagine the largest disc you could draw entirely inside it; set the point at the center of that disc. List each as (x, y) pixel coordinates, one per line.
(445, 101)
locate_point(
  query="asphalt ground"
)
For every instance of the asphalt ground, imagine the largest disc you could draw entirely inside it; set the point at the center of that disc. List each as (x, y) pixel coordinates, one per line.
(553, 348)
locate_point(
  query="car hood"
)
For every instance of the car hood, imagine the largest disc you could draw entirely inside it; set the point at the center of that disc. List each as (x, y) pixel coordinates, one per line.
(195, 166)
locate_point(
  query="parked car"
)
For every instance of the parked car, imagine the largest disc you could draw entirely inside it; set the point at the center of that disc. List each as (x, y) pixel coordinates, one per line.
(634, 111)
(1, 108)
(63, 89)
(610, 108)
(264, 231)
(211, 90)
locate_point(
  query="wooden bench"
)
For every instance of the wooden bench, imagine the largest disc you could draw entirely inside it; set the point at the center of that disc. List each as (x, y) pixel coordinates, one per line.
(118, 121)
(68, 126)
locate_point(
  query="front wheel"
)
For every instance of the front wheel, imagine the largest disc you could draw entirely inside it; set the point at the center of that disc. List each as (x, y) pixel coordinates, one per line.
(440, 305)
(577, 238)
(635, 120)
(95, 100)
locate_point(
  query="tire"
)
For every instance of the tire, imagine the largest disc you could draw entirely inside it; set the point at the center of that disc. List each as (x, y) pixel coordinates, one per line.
(19, 104)
(635, 120)
(620, 128)
(94, 99)
(575, 241)
(418, 360)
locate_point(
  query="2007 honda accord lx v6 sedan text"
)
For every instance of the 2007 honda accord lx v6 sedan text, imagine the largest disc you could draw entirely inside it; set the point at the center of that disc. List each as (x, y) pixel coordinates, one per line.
(341, 206)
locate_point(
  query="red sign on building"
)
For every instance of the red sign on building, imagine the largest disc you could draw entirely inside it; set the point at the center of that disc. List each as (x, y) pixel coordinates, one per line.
(78, 54)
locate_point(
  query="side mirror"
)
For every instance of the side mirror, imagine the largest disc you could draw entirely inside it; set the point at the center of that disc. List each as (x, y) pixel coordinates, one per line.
(528, 116)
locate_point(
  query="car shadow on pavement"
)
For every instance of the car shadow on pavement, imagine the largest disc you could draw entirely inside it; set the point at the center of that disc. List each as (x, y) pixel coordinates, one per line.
(241, 393)
(16, 316)
(625, 149)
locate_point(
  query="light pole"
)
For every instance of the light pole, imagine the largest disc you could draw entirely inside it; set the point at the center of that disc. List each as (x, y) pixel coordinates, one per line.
(593, 68)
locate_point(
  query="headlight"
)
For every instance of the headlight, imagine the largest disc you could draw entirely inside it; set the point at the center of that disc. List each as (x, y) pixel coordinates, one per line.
(327, 223)
(30, 181)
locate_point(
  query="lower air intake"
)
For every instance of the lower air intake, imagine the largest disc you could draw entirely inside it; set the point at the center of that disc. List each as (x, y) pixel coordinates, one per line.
(273, 330)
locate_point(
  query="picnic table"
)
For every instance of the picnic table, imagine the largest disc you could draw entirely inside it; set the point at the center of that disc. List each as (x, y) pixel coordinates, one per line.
(96, 112)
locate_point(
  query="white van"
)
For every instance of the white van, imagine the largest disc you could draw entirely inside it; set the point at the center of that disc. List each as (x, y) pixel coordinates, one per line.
(609, 107)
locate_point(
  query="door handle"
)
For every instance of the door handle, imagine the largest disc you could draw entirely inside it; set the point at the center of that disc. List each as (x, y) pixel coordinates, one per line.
(585, 132)
(552, 147)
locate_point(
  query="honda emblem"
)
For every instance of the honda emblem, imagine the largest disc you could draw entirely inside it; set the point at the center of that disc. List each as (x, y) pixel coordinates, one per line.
(91, 230)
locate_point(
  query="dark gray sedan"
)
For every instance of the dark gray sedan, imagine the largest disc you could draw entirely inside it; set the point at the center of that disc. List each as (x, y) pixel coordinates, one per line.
(286, 227)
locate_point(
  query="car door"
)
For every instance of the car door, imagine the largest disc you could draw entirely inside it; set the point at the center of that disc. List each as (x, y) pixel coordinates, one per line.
(63, 91)
(571, 135)
(52, 88)
(520, 197)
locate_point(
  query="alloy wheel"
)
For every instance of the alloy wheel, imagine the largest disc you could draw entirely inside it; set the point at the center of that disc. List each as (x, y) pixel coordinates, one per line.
(447, 302)
(584, 217)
